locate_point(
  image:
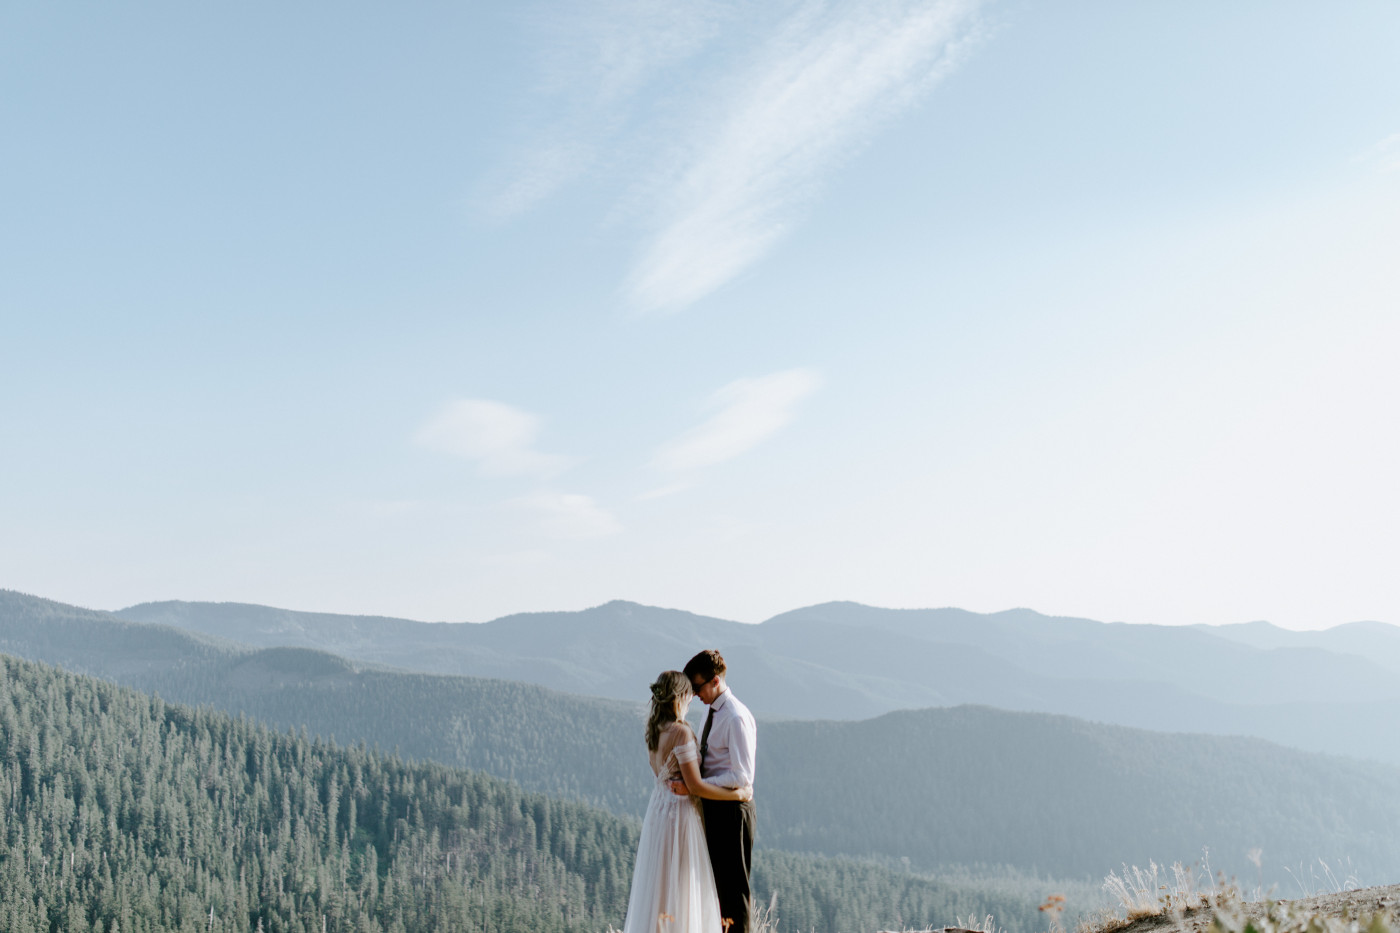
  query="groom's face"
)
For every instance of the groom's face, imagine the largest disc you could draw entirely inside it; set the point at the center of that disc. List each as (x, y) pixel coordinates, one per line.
(706, 690)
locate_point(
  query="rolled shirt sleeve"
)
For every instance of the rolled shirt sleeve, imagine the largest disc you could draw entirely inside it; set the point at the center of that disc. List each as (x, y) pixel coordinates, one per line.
(744, 743)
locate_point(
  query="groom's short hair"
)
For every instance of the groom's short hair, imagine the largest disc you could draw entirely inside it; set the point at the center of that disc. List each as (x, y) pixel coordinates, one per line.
(706, 665)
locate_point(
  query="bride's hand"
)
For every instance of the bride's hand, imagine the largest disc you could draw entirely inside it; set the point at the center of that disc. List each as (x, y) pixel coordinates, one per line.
(745, 793)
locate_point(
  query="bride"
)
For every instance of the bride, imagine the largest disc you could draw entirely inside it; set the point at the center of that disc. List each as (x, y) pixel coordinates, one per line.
(673, 887)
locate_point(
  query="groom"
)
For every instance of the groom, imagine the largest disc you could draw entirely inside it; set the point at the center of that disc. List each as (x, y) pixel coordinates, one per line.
(728, 744)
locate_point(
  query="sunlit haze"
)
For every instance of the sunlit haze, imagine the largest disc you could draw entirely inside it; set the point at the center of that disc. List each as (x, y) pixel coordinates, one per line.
(450, 311)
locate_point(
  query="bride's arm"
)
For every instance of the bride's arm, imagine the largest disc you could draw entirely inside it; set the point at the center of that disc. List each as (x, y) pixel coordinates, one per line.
(690, 772)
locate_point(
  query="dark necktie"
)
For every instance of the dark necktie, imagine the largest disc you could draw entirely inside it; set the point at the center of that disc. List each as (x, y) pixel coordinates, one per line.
(705, 737)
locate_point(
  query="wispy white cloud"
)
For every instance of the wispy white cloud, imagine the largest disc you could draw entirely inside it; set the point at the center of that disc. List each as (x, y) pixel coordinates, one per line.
(661, 492)
(815, 91)
(567, 515)
(599, 57)
(498, 437)
(538, 173)
(526, 559)
(718, 152)
(387, 508)
(1384, 156)
(749, 411)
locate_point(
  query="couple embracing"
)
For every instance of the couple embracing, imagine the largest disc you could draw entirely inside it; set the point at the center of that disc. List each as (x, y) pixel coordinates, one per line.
(692, 871)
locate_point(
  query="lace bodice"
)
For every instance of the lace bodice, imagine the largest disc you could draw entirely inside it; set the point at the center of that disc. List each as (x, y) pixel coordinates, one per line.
(677, 745)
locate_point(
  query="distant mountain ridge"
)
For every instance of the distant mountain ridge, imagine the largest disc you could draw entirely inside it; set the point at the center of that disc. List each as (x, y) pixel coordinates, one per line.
(1336, 694)
(1378, 641)
(1040, 793)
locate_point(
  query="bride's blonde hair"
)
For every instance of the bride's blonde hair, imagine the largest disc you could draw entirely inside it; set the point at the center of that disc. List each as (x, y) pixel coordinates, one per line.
(669, 696)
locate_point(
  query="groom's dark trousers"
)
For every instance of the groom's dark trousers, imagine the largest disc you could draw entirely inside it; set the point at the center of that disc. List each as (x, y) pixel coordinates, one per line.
(729, 834)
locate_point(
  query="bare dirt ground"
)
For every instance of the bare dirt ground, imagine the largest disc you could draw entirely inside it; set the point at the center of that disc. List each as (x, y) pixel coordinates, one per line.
(1358, 904)
(1342, 905)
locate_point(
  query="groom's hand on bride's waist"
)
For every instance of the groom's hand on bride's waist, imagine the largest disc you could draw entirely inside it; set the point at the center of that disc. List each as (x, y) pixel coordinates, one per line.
(679, 789)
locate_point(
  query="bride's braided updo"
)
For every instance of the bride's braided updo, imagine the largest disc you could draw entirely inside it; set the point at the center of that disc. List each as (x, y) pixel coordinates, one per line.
(669, 696)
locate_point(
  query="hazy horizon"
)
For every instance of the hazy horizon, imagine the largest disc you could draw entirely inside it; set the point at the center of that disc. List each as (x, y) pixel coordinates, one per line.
(743, 621)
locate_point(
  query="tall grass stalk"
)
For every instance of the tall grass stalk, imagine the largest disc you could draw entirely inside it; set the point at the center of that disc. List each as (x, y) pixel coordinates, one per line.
(1158, 890)
(1330, 882)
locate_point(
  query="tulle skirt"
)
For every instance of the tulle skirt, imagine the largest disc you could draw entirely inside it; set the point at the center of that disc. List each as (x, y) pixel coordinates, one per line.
(673, 886)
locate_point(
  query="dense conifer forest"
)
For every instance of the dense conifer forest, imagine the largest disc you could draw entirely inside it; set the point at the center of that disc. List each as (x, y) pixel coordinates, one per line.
(122, 812)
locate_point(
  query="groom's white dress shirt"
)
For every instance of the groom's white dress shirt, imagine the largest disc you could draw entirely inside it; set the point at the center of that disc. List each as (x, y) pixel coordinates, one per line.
(733, 743)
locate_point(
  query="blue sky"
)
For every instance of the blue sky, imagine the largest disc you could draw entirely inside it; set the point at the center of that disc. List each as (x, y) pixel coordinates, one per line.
(448, 311)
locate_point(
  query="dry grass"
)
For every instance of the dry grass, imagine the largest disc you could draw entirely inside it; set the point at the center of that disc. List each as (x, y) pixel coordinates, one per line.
(1158, 891)
(764, 920)
(986, 925)
(1190, 900)
(1328, 880)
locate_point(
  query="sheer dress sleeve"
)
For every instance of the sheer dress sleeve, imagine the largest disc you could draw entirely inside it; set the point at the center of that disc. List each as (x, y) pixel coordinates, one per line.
(681, 740)
(686, 749)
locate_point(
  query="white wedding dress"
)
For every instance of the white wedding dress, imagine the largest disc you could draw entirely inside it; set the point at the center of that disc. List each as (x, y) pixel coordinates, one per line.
(673, 886)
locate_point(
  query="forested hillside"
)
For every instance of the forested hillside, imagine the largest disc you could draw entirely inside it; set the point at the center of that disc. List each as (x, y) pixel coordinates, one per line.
(123, 812)
(121, 809)
(1041, 793)
(1072, 798)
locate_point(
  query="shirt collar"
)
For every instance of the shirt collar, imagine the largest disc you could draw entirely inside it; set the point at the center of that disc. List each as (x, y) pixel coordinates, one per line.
(720, 700)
